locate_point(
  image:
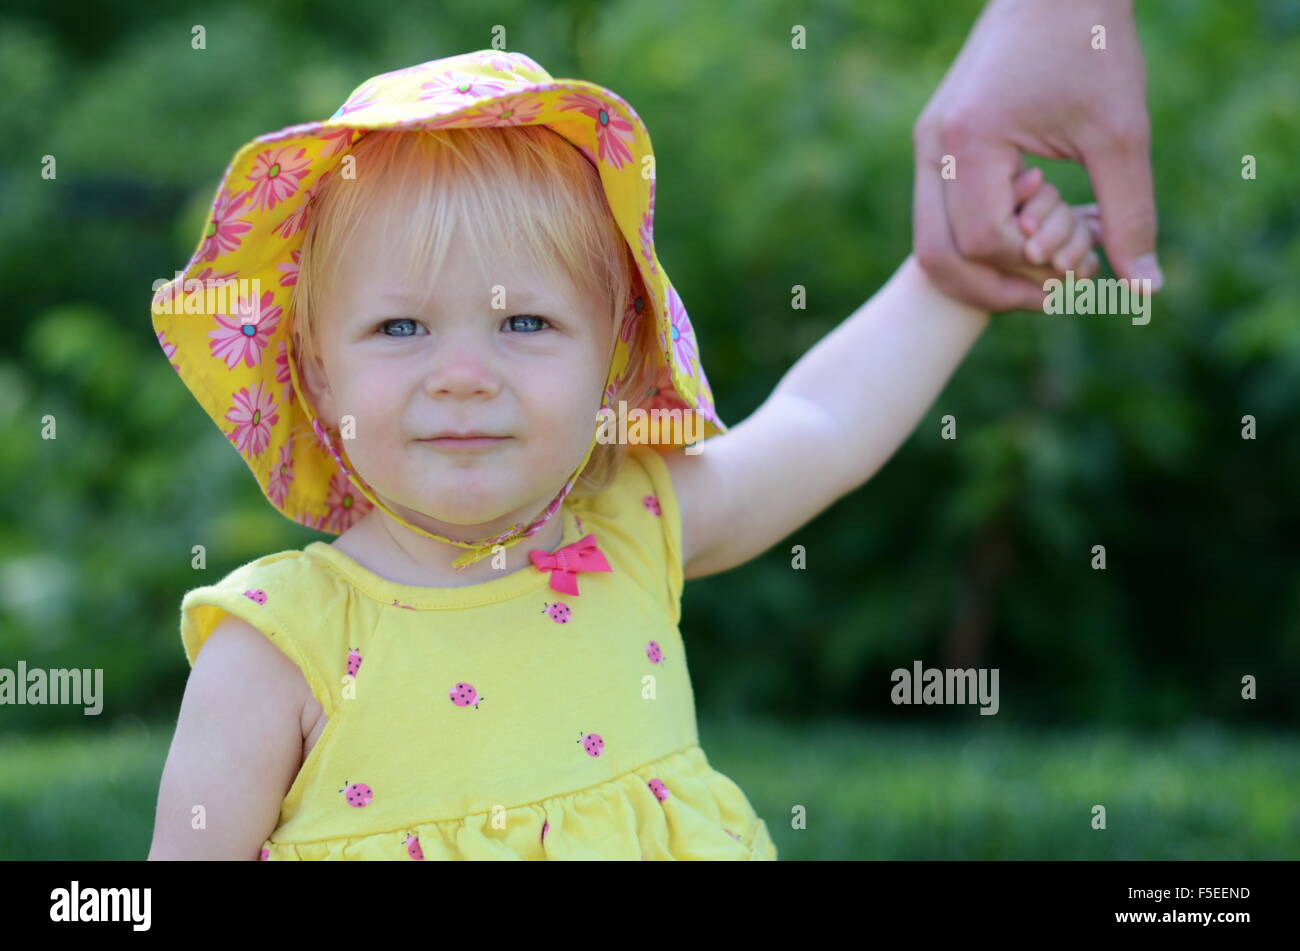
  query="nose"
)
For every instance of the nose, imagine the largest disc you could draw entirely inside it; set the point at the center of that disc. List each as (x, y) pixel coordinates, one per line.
(462, 366)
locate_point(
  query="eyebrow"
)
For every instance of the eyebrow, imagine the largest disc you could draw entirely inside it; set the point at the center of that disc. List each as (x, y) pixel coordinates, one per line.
(522, 297)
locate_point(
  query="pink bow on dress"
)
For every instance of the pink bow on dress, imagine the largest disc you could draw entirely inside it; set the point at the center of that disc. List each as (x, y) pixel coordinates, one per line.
(565, 563)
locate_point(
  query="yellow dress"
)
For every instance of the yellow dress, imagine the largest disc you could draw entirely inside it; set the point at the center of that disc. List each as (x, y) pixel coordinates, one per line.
(502, 720)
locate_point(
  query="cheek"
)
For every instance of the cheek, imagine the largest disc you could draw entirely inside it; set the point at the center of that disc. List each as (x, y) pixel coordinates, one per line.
(373, 399)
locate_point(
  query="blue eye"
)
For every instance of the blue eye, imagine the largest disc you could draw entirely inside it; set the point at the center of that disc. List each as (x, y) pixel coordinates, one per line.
(399, 320)
(530, 317)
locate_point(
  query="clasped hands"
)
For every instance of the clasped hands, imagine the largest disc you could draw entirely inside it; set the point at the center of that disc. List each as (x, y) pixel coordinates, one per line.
(1058, 80)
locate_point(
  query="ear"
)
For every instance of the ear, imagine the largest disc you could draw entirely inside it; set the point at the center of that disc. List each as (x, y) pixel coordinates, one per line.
(311, 374)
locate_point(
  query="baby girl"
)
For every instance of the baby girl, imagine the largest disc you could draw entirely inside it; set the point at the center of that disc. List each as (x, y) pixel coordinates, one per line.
(440, 295)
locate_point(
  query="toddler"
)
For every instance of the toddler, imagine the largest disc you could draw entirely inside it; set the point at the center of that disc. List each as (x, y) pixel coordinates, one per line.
(425, 297)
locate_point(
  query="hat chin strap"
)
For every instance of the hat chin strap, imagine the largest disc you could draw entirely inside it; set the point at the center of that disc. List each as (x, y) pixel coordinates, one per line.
(481, 548)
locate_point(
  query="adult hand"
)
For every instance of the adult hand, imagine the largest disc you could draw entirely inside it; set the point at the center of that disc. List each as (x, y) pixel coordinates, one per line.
(1029, 80)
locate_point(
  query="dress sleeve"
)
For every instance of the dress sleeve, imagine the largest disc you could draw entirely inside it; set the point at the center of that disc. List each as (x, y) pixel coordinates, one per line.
(267, 594)
(637, 522)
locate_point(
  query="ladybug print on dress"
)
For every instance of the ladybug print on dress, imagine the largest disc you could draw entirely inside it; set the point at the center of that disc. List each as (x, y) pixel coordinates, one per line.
(592, 743)
(651, 502)
(413, 847)
(654, 653)
(464, 695)
(659, 789)
(256, 594)
(354, 662)
(559, 612)
(358, 794)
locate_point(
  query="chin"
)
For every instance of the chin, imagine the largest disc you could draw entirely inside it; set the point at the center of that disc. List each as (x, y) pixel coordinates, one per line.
(470, 507)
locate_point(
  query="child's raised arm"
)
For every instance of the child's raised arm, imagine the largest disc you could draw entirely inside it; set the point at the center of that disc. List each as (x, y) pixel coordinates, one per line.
(834, 419)
(237, 748)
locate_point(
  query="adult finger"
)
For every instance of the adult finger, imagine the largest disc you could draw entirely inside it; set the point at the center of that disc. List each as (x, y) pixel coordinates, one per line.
(1120, 170)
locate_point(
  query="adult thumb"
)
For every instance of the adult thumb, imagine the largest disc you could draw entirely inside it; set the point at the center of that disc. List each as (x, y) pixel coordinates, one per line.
(1121, 182)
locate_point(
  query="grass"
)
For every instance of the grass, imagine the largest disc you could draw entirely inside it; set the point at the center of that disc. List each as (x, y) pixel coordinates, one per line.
(868, 792)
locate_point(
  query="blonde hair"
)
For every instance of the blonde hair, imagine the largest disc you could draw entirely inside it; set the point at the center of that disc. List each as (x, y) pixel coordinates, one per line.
(505, 186)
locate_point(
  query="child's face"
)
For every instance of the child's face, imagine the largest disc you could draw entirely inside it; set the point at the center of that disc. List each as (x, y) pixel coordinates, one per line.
(406, 375)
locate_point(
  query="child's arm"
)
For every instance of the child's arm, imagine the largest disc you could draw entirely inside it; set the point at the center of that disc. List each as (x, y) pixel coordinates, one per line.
(839, 413)
(237, 748)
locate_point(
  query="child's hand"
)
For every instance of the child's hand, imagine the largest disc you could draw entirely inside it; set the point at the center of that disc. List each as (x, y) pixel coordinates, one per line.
(1058, 235)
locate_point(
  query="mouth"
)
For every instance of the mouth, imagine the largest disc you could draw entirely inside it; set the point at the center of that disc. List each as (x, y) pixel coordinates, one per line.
(465, 442)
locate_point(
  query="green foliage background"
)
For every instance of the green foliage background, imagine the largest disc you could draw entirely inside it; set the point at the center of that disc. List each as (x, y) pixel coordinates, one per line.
(775, 167)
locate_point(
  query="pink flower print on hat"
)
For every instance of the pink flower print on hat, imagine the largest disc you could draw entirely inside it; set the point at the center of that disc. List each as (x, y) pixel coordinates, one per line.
(413, 849)
(342, 139)
(345, 504)
(662, 394)
(282, 375)
(357, 794)
(651, 503)
(683, 338)
(653, 651)
(452, 85)
(225, 226)
(354, 662)
(647, 241)
(245, 335)
(290, 269)
(256, 594)
(464, 695)
(631, 318)
(253, 415)
(367, 94)
(593, 743)
(647, 232)
(613, 134)
(523, 61)
(659, 789)
(276, 175)
(559, 612)
(494, 59)
(520, 110)
(169, 349)
(277, 489)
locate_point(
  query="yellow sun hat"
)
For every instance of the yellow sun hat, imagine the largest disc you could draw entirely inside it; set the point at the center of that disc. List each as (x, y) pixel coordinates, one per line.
(231, 342)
